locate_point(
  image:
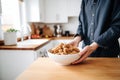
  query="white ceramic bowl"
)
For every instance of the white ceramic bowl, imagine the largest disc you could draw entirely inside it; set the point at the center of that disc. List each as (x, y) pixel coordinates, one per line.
(64, 59)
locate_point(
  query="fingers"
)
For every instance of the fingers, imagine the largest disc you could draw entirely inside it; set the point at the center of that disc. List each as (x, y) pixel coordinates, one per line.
(84, 50)
(84, 54)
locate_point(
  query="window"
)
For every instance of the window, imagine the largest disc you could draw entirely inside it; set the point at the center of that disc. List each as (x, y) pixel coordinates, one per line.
(10, 13)
(14, 15)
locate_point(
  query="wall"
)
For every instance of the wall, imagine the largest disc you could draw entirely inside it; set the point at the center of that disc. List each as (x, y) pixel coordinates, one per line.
(71, 25)
(1, 32)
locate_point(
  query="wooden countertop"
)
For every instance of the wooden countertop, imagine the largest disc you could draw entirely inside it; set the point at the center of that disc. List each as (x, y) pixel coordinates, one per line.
(23, 47)
(91, 69)
(31, 47)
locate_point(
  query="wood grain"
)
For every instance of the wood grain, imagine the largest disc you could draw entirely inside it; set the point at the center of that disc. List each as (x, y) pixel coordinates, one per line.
(91, 69)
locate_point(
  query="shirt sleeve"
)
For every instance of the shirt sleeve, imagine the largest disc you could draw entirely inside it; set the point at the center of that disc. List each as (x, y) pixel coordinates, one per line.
(113, 32)
(79, 29)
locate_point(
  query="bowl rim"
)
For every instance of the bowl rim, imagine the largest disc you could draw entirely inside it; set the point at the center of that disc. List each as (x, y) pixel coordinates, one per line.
(63, 54)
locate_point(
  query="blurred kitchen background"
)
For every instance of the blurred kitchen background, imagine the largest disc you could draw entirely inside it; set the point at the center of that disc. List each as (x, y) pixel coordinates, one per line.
(31, 16)
(41, 25)
(40, 18)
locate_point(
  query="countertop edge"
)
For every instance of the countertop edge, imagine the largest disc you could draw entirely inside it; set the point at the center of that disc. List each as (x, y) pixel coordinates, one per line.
(32, 47)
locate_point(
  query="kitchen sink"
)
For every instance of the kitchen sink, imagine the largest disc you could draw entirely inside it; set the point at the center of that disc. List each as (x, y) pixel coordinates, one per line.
(32, 42)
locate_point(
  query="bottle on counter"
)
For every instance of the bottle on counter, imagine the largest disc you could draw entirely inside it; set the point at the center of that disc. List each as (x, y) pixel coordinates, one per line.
(55, 30)
(59, 31)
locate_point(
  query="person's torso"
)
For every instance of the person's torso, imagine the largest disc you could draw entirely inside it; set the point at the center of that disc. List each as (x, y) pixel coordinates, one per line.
(96, 20)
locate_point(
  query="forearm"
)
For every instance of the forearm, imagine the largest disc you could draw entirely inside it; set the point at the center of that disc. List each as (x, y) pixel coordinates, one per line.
(107, 38)
(112, 34)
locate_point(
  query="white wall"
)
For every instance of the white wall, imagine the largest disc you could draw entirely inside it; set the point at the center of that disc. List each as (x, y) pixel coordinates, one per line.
(1, 32)
(71, 25)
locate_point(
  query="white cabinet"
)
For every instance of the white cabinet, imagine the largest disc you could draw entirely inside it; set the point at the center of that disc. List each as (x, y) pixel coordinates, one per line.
(35, 10)
(73, 7)
(56, 11)
(43, 50)
(52, 11)
(42, 10)
(0, 9)
(14, 62)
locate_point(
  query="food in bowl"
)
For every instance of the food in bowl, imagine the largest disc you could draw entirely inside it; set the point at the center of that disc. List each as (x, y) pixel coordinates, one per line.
(64, 54)
(64, 49)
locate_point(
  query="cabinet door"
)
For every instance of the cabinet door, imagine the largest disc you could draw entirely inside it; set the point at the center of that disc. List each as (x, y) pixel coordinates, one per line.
(14, 62)
(42, 10)
(33, 10)
(43, 50)
(73, 7)
(56, 11)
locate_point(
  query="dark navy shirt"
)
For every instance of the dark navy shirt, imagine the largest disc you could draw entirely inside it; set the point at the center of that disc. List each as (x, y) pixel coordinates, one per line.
(99, 22)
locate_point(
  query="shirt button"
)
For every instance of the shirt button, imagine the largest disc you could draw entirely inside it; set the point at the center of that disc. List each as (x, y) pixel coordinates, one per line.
(92, 23)
(93, 14)
(91, 34)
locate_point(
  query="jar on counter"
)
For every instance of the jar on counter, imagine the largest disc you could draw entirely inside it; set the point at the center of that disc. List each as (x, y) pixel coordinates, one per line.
(67, 33)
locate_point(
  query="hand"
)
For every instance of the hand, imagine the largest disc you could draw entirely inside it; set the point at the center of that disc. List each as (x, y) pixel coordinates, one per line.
(86, 51)
(76, 41)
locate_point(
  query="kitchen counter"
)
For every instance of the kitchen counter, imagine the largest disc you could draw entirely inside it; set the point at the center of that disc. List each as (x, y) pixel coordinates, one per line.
(26, 45)
(22, 55)
(31, 46)
(91, 69)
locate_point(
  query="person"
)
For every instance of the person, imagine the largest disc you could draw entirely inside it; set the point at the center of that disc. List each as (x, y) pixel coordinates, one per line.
(99, 29)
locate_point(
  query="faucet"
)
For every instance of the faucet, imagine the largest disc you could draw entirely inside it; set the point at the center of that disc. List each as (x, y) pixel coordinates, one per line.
(29, 31)
(22, 33)
(25, 29)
